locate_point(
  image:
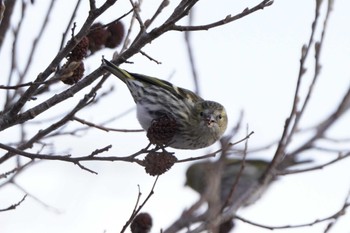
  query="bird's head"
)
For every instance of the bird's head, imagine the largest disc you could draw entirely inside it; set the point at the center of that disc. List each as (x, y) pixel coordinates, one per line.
(212, 115)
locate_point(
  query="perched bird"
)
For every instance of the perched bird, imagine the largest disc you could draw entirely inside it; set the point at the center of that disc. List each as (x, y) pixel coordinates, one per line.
(198, 177)
(199, 122)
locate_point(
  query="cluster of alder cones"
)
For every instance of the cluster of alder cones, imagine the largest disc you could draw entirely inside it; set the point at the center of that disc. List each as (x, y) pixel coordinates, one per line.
(99, 37)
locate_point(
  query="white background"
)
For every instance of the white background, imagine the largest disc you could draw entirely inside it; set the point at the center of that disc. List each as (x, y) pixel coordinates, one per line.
(251, 65)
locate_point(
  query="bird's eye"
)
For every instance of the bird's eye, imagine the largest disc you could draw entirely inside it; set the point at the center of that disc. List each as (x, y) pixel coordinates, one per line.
(220, 116)
(201, 114)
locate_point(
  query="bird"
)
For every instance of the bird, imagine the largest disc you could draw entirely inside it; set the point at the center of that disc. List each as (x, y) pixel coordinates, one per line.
(198, 177)
(231, 191)
(199, 123)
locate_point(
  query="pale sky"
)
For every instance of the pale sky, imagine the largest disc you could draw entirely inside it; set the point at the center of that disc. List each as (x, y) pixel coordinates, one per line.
(251, 65)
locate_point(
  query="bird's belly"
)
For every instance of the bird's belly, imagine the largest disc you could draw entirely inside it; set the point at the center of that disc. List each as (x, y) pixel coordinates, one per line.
(188, 137)
(144, 117)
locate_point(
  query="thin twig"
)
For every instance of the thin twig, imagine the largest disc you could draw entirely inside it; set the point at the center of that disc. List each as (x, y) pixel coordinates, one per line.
(292, 121)
(65, 33)
(8, 118)
(159, 10)
(47, 206)
(213, 154)
(14, 206)
(317, 68)
(136, 210)
(296, 171)
(150, 58)
(226, 20)
(188, 44)
(107, 129)
(336, 215)
(336, 219)
(238, 177)
(36, 41)
(16, 31)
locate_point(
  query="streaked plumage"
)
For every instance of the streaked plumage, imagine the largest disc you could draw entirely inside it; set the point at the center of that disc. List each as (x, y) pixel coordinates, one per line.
(200, 123)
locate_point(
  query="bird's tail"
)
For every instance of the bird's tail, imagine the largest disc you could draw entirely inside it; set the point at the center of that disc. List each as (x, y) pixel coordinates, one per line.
(120, 73)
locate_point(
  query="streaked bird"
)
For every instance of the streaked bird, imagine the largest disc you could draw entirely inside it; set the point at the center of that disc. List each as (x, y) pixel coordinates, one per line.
(199, 122)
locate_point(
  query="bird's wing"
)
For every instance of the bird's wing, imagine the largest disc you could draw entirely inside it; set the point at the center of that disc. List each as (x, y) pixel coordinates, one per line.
(179, 92)
(124, 75)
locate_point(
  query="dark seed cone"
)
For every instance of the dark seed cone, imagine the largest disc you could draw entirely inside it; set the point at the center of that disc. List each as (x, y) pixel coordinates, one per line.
(226, 227)
(97, 37)
(116, 34)
(80, 50)
(162, 130)
(157, 163)
(72, 72)
(142, 223)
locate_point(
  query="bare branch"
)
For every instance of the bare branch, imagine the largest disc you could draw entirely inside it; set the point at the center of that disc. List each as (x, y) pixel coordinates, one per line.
(8, 118)
(14, 206)
(150, 58)
(47, 206)
(36, 40)
(336, 215)
(213, 154)
(226, 20)
(161, 7)
(296, 171)
(65, 33)
(137, 210)
(191, 55)
(290, 126)
(324, 125)
(107, 129)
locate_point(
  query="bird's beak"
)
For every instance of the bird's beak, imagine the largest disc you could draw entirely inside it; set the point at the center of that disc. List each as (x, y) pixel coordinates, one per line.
(210, 120)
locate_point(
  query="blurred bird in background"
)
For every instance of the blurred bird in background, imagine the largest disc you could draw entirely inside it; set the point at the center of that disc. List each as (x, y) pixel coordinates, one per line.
(233, 188)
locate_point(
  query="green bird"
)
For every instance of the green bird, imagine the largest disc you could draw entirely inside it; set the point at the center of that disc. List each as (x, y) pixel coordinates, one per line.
(199, 122)
(198, 176)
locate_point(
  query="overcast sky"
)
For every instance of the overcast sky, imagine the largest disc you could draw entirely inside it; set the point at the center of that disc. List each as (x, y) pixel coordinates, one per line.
(251, 65)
